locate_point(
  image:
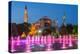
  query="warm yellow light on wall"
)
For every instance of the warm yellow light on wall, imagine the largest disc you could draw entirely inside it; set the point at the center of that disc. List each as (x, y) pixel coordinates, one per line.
(33, 30)
(23, 35)
(48, 21)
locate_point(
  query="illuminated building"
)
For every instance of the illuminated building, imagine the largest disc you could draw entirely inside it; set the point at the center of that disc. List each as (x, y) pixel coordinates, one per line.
(32, 30)
(24, 27)
(45, 22)
(25, 15)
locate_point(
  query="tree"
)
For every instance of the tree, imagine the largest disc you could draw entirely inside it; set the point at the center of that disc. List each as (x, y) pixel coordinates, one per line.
(69, 28)
(46, 31)
(75, 29)
(24, 27)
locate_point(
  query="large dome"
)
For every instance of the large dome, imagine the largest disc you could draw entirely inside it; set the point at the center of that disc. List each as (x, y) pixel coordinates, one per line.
(45, 18)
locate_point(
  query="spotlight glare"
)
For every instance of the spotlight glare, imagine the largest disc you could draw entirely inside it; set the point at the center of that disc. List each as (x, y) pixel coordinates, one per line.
(39, 31)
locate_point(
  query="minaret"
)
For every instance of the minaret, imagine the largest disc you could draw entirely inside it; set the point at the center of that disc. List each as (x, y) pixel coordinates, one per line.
(64, 18)
(25, 15)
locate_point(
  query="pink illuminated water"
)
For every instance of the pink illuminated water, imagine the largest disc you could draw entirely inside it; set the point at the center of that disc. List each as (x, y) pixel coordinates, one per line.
(47, 40)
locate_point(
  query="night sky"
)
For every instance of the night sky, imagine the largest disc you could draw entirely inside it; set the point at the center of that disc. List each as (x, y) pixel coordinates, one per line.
(38, 10)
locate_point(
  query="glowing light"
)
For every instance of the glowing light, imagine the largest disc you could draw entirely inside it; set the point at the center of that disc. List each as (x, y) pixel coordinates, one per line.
(49, 42)
(70, 41)
(18, 40)
(53, 39)
(45, 40)
(33, 30)
(36, 37)
(32, 41)
(39, 31)
(49, 47)
(41, 40)
(60, 39)
(23, 35)
(41, 45)
(38, 40)
(49, 39)
(64, 44)
(28, 49)
(67, 40)
(12, 44)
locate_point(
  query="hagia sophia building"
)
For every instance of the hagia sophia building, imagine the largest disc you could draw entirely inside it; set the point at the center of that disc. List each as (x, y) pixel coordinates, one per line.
(44, 21)
(26, 28)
